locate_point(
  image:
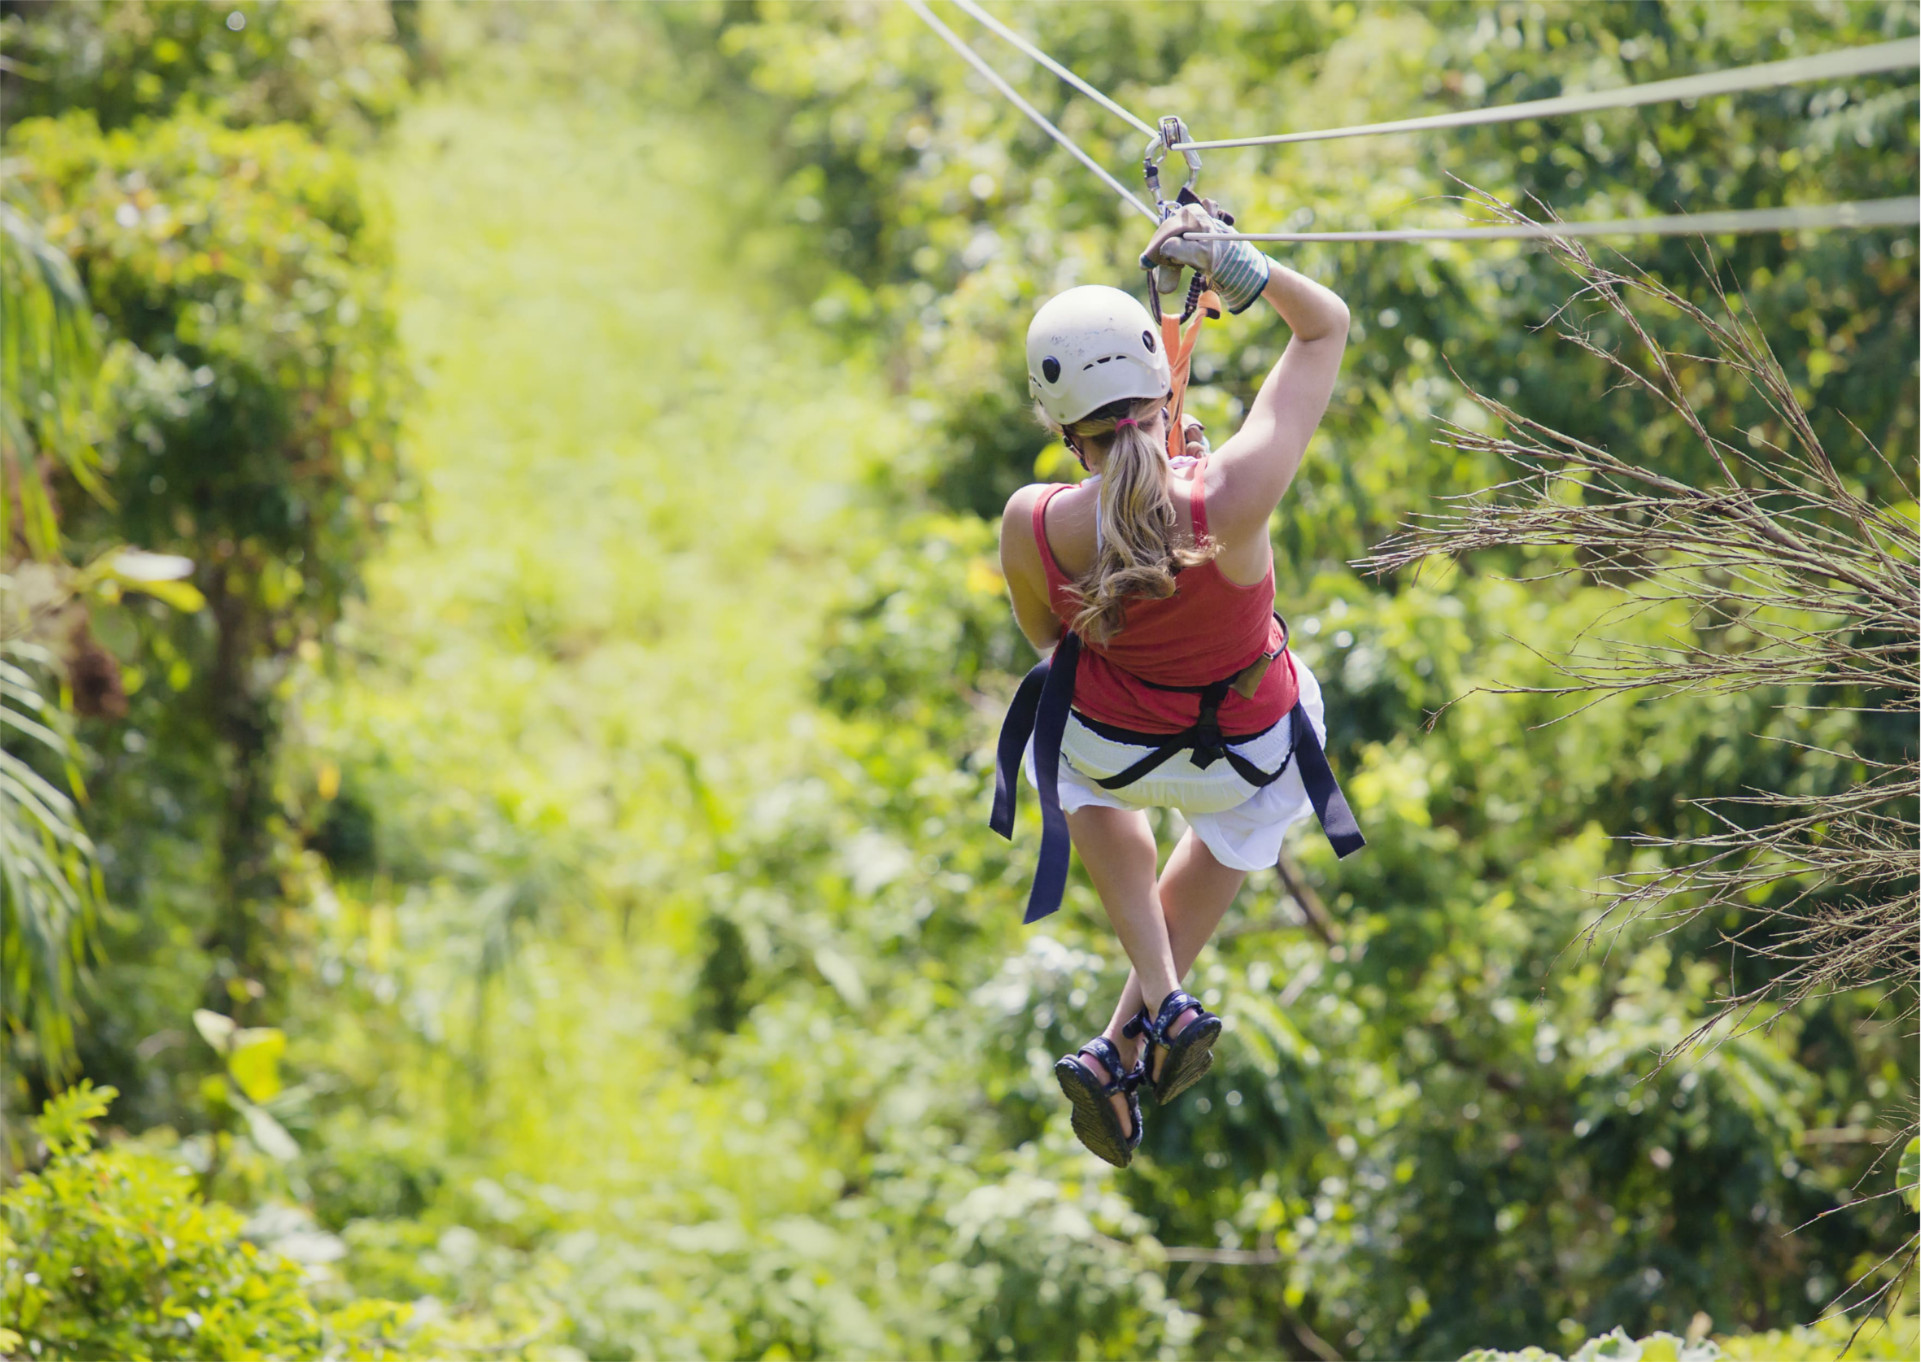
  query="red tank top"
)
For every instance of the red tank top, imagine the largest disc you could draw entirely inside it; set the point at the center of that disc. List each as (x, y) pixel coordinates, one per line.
(1208, 629)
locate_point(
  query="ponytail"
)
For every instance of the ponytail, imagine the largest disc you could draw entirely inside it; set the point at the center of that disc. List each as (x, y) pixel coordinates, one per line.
(1137, 557)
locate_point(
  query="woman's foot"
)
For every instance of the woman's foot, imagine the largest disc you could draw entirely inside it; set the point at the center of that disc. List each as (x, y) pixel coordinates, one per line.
(1123, 1100)
(1157, 1057)
(1180, 1043)
(1107, 1111)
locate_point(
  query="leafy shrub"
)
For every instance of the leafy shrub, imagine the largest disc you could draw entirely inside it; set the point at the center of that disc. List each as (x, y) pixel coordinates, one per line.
(243, 279)
(246, 272)
(1827, 1341)
(318, 62)
(110, 1252)
(1615, 1347)
(47, 874)
(923, 625)
(371, 1168)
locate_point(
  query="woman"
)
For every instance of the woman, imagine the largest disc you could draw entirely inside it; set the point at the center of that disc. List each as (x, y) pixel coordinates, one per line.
(1152, 586)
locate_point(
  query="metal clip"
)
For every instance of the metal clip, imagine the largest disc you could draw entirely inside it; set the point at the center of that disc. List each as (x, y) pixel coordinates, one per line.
(1173, 131)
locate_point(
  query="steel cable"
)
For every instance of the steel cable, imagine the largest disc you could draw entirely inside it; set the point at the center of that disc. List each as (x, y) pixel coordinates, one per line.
(1901, 212)
(1063, 72)
(1892, 212)
(975, 60)
(1902, 54)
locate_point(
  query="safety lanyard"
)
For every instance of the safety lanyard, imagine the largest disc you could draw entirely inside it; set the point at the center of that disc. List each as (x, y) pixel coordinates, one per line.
(1178, 334)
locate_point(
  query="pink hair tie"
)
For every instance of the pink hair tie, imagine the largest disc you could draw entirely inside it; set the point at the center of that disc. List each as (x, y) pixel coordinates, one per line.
(1125, 421)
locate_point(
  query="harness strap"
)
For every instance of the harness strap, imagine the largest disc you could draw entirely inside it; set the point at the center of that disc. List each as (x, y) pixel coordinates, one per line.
(1243, 768)
(1208, 744)
(1040, 710)
(1323, 791)
(1015, 729)
(1179, 347)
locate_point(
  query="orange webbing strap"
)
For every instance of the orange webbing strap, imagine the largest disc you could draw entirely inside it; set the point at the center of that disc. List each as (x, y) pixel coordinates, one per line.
(1179, 342)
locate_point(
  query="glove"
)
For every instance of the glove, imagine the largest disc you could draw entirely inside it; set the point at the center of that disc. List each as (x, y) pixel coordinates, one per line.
(1234, 269)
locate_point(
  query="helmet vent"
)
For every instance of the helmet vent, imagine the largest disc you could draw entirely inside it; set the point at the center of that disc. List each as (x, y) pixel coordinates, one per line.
(1147, 339)
(1051, 369)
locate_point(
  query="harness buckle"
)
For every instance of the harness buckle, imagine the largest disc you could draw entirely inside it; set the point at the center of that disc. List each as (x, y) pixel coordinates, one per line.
(1247, 680)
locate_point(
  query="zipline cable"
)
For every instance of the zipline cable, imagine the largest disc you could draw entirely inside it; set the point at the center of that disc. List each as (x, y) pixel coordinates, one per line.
(1895, 212)
(975, 60)
(1901, 54)
(1902, 212)
(1011, 36)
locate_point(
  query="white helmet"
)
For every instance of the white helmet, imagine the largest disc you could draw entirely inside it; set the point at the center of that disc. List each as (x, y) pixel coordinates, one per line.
(1090, 346)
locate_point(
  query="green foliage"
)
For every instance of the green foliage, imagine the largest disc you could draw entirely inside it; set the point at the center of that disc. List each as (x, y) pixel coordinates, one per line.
(1834, 1338)
(1831, 1339)
(943, 217)
(244, 270)
(110, 1252)
(323, 63)
(648, 984)
(1614, 1347)
(49, 375)
(925, 626)
(251, 419)
(49, 881)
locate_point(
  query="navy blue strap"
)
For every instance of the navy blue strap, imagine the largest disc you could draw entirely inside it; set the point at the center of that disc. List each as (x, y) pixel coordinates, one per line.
(1189, 739)
(1173, 747)
(1323, 791)
(1050, 726)
(1016, 728)
(1039, 710)
(1173, 1007)
(1253, 774)
(1102, 1049)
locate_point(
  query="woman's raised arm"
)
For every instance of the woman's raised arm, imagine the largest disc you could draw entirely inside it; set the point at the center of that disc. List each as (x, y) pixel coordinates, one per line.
(1259, 462)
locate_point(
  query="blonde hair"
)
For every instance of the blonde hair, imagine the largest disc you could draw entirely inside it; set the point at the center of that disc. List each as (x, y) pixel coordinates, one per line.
(1137, 556)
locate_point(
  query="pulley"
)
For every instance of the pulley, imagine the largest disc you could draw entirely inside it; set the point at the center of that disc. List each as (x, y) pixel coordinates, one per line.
(1173, 132)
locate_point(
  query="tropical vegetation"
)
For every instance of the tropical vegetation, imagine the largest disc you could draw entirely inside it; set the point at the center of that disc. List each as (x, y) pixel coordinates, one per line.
(503, 648)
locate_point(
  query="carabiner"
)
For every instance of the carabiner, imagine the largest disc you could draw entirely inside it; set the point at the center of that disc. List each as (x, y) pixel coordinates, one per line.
(1173, 132)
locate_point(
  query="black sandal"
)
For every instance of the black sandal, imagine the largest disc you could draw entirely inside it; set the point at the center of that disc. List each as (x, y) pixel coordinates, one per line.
(1095, 1123)
(1190, 1051)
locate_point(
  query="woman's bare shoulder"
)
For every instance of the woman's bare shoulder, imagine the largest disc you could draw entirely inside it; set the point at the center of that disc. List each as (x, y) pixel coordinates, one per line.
(1022, 502)
(1070, 521)
(1017, 522)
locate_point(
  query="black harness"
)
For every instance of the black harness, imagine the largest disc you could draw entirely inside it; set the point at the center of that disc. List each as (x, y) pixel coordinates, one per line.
(1040, 710)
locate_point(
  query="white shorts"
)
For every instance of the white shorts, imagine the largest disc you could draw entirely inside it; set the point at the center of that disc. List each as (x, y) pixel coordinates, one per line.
(1241, 824)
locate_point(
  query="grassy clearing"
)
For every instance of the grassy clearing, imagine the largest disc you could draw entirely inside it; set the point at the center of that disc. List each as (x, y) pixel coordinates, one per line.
(592, 643)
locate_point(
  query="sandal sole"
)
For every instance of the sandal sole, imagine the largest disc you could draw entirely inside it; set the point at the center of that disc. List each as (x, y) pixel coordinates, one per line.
(1095, 1124)
(1188, 1060)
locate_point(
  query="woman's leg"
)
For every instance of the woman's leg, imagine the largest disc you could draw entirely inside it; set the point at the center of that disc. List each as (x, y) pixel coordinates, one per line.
(1195, 893)
(1117, 848)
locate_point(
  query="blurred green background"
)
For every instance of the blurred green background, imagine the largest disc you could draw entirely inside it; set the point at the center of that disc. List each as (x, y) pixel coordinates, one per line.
(538, 899)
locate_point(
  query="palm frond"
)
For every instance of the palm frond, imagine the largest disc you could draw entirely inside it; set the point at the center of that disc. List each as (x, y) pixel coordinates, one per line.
(49, 384)
(49, 881)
